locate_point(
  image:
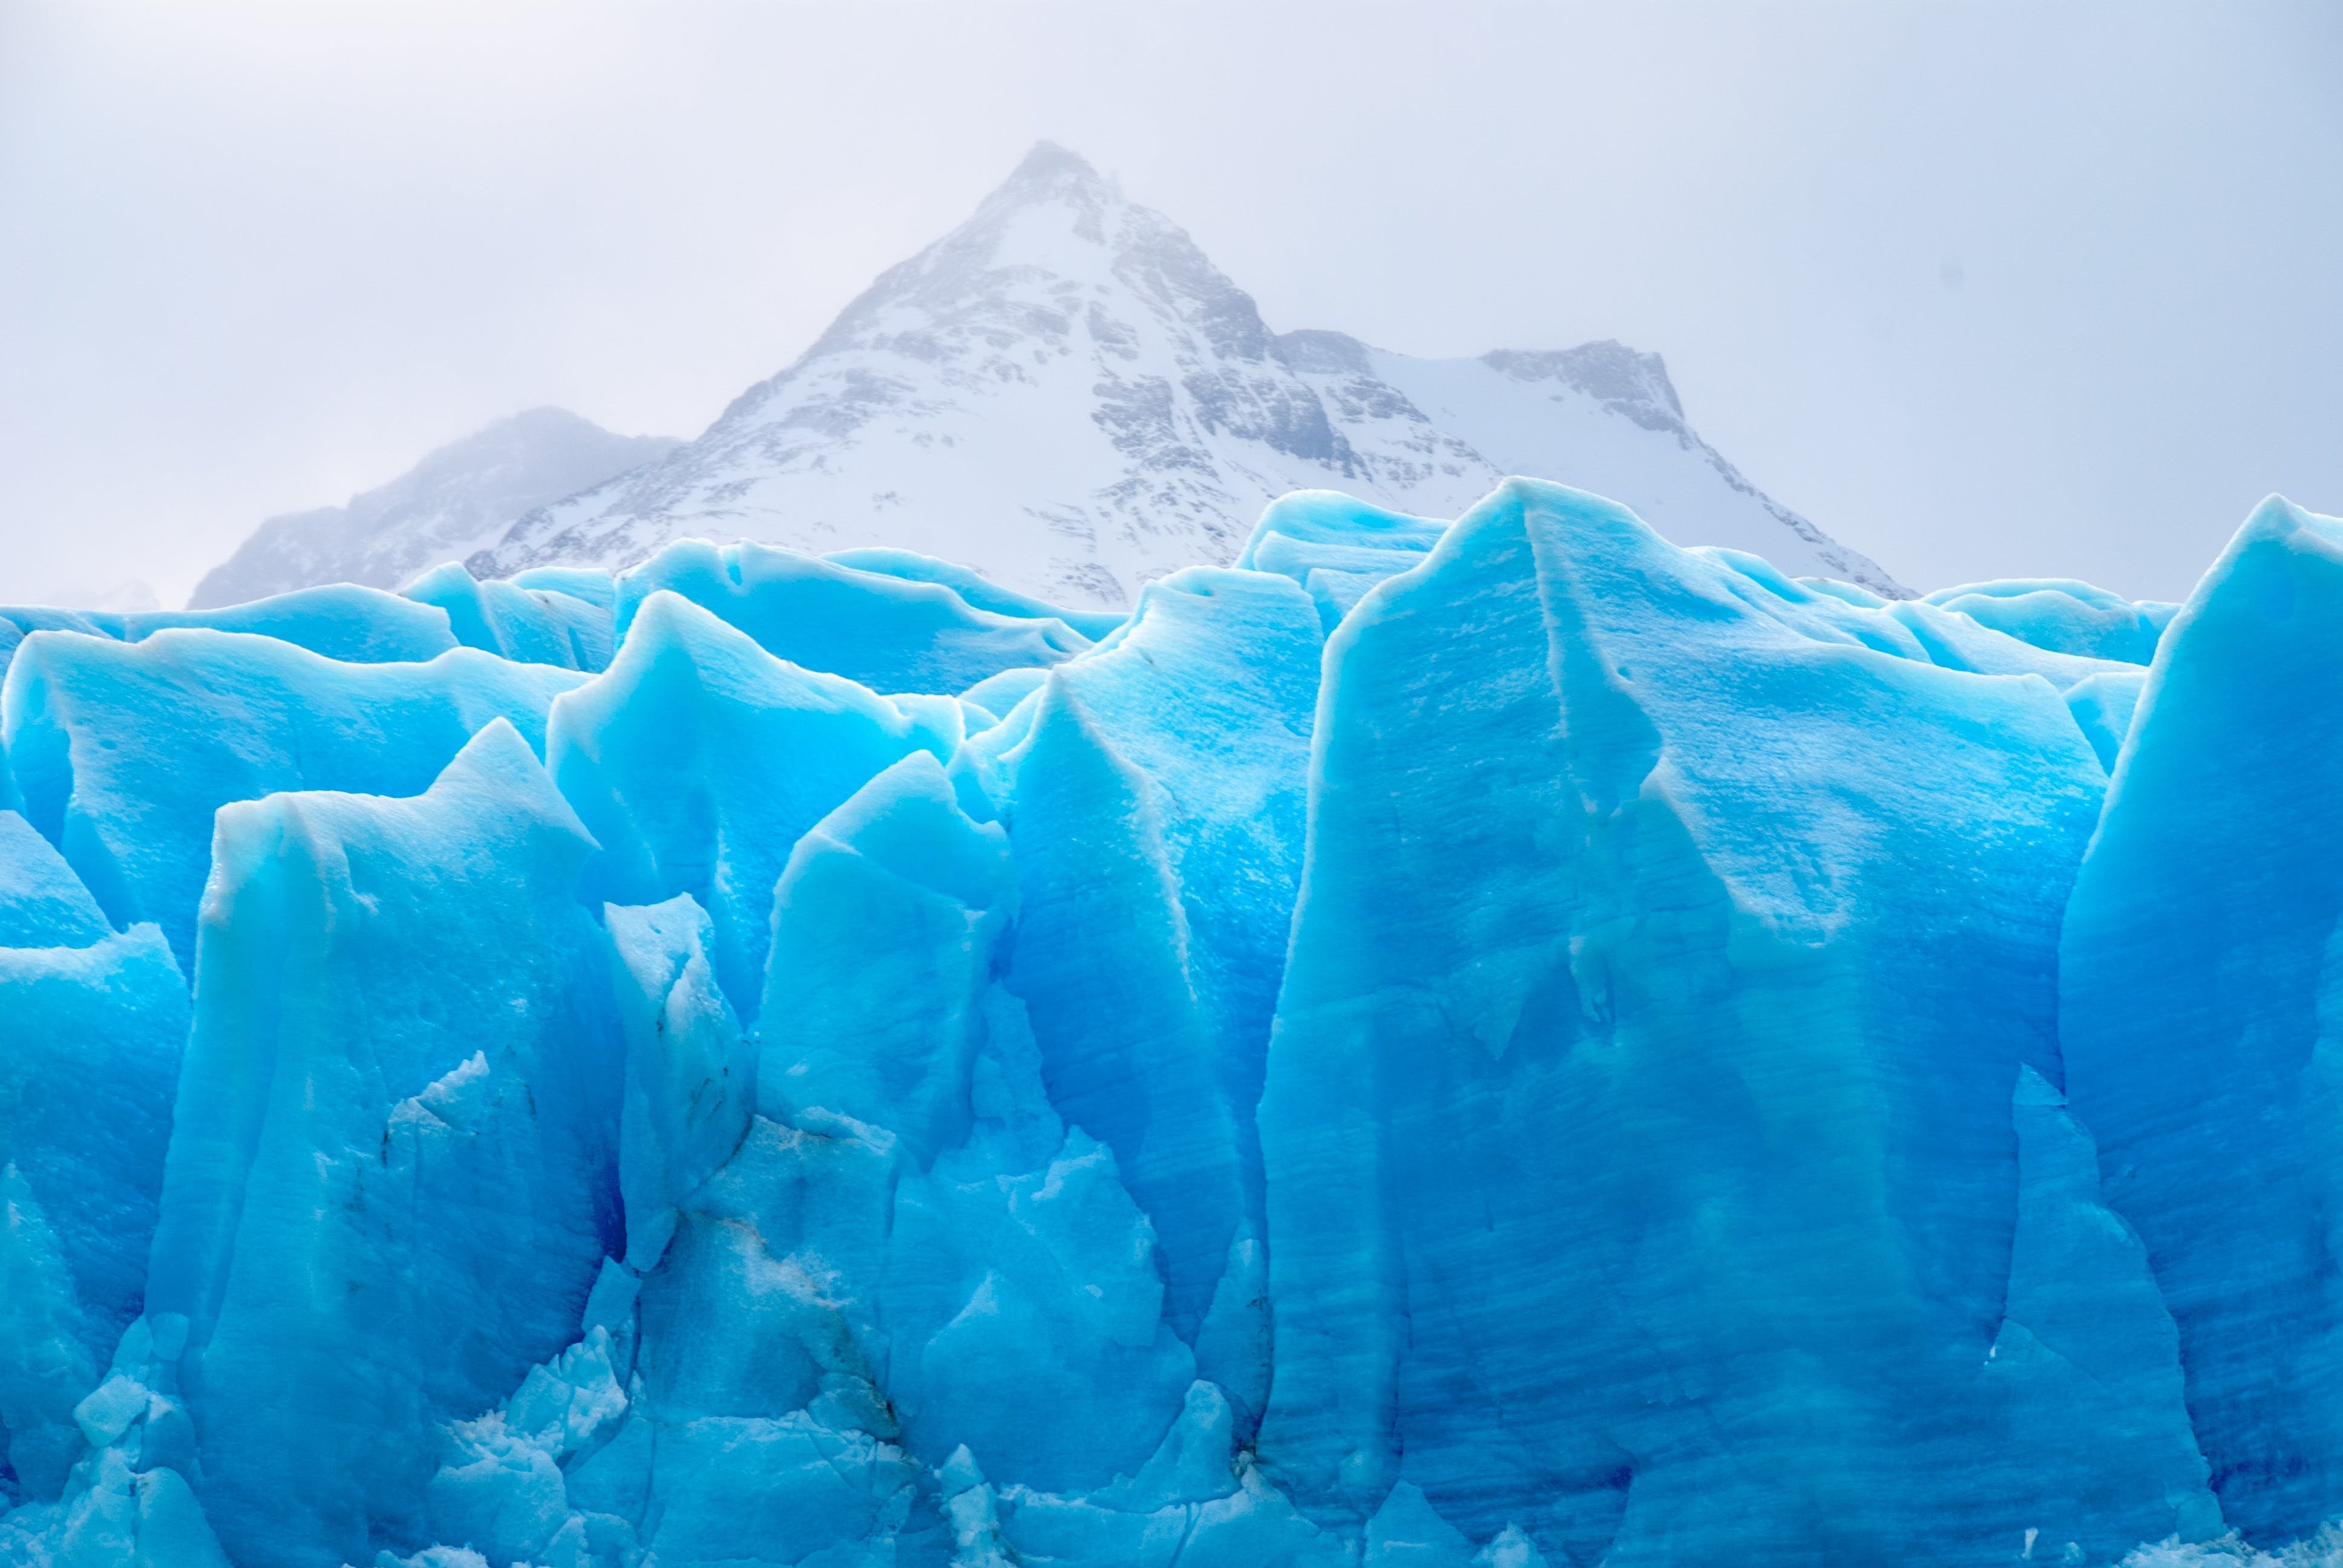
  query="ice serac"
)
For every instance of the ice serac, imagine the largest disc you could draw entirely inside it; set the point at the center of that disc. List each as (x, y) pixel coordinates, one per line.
(1638, 1130)
(909, 1276)
(888, 631)
(1155, 794)
(1336, 547)
(358, 625)
(698, 759)
(122, 751)
(41, 903)
(886, 1035)
(975, 587)
(1020, 1277)
(533, 625)
(393, 1171)
(691, 1072)
(92, 1024)
(2200, 996)
(592, 584)
(2064, 616)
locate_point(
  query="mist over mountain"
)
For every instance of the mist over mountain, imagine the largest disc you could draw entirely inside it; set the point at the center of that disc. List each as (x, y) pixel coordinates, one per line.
(1065, 394)
(447, 506)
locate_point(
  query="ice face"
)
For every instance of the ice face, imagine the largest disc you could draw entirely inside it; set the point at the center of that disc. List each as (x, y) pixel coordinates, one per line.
(1155, 794)
(691, 1069)
(393, 1174)
(698, 760)
(1484, 1045)
(1632, 995)
(91, 1032)
(2197, 998)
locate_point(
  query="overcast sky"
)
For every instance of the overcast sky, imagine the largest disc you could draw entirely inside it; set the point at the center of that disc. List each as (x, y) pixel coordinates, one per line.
(1983, 290)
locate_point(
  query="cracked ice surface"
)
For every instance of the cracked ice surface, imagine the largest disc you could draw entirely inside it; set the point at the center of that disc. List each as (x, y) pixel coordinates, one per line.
(1493, 1043)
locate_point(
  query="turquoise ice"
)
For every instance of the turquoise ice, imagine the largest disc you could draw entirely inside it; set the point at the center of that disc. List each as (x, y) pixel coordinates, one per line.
(1471, 1044)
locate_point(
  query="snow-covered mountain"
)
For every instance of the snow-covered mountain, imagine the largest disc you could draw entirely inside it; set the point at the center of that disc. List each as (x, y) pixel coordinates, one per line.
(1066, 395)
(461, 497)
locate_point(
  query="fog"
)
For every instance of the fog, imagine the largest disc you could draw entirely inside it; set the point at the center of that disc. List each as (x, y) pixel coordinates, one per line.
(1983, 290)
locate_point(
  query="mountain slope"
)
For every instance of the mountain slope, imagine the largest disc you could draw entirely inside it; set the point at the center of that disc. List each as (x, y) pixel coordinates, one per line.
(454, 500)
(1066, 395)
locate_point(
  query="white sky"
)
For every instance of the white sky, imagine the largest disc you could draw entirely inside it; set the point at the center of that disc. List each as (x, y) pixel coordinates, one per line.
(1983, 290)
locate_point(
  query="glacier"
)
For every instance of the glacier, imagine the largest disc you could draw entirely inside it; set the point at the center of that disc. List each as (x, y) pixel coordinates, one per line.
(1491, 1044)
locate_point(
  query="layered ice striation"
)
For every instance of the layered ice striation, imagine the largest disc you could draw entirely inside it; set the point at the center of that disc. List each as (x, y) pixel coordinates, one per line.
(1501, 1043)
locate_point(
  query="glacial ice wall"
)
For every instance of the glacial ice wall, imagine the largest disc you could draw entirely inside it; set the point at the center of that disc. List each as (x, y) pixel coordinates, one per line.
(1493, 1043)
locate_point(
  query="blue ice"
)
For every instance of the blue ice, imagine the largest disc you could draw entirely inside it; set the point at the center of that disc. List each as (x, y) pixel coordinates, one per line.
(1500, 1043)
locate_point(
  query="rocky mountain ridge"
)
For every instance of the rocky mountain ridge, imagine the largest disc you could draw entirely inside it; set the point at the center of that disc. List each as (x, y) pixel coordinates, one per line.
(1065, 394)
(458, 498)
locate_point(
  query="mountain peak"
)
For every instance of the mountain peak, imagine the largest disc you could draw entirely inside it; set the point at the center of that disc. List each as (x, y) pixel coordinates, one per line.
(1065, 393)
(1050, 167)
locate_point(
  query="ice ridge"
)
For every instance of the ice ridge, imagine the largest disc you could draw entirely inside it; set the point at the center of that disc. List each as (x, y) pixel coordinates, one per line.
(1470, 1044)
